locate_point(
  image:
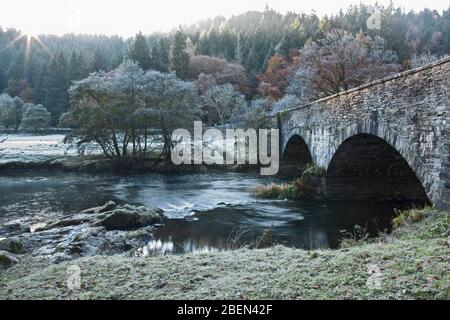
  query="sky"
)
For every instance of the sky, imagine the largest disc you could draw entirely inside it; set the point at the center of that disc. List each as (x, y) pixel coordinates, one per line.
(127, 17)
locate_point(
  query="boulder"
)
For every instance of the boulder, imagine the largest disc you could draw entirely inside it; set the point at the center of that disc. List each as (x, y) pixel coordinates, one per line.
(11, 245)
(130, 217)
(7, 260)
(109, 206)
(94, 231)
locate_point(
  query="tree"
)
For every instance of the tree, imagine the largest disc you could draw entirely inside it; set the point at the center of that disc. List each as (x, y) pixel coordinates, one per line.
(205, 82)
(160, 55)
(140, 52)
(418, 60)
(253, 115)
(19, 88)
(219, 102)
(117, 109)
(339, 62)
(35, 117)
(205, 65)
(11, 111)
(235, 74)
(179, 58)
(222, 71)
(56, 84)
(279, 71)
(99, 61)
(286, 103)
(77, 67)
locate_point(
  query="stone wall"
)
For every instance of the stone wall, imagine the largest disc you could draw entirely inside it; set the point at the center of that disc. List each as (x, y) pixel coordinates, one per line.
(410, 111)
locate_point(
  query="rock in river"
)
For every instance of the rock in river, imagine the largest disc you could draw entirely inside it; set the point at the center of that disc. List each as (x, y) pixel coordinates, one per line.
(110, 205)
(130, 217)
(108, 229)
(7, 259)
(11, 245)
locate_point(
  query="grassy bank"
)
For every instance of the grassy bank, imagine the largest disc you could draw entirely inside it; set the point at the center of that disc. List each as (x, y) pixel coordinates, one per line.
(411, 263)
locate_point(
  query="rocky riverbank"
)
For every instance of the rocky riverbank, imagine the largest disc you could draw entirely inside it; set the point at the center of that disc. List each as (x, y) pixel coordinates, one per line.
(411, 263)
(109, 229)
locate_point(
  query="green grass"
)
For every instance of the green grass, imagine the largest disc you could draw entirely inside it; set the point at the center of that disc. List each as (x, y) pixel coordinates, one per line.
(413, 262)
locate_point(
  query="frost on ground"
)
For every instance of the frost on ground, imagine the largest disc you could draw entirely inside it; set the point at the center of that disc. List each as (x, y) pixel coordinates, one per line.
(33, 148)
(412, 263)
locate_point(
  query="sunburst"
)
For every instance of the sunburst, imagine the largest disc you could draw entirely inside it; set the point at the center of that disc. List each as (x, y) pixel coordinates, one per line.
(30, 39)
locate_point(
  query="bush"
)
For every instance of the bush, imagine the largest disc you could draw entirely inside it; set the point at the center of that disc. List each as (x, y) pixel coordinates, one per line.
(404, 217)
(35, 117)
(310, 182)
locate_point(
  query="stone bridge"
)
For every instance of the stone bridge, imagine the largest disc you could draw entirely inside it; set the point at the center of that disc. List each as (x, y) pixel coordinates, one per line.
(388, 139)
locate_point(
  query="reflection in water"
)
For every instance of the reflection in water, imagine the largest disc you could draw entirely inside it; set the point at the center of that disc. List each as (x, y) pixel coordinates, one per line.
(202, 210)
(159, 247)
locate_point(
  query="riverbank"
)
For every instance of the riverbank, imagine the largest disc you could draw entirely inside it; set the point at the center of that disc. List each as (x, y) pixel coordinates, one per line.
(99, 165)
(411, 263)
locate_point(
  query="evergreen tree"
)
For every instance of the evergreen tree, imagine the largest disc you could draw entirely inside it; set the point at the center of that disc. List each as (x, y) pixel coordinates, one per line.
(160, 55)
(56, 86)
(75, 67)
(140, 52)
(179, 58)
(99, 62)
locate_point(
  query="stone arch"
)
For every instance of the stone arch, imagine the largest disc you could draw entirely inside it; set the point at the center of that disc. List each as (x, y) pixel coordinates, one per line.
(295, 155)
(367, 166)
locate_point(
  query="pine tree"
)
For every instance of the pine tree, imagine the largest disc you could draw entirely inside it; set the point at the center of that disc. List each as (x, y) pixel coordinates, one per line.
(83, 66)
(74, 72)
(99, 62)
(140, 52)
(238, 54)
(179, 58)
(56, 86)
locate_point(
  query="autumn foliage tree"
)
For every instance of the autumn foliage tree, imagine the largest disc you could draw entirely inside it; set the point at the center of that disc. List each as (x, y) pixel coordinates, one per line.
(218, 70)
(338, 62)
(280, 70)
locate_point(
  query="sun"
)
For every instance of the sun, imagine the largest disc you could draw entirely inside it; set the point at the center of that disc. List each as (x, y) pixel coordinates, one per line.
(31, 37)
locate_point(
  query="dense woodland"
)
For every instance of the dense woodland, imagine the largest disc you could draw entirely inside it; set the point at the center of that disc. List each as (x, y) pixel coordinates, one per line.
(240, 67)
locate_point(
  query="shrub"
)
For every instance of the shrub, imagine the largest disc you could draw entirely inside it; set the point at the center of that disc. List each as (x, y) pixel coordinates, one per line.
(404, 217)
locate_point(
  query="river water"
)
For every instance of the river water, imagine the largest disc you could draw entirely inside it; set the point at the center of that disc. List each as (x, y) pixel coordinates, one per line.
(205, 212)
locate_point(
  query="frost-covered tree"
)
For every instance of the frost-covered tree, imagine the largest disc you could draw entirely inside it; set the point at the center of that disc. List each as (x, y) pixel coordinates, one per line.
(35, 117)
(219, 102)
(11, 111)
(222, 71)
(253, 115)
(179, 57)
(140, 52)
(205, 82)
(169, 103)
(205, 65)
(338, 62)
(421, 59)
(287, 102)
(117, 109)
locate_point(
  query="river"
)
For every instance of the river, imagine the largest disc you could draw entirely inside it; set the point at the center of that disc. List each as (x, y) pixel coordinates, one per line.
(205, 212)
